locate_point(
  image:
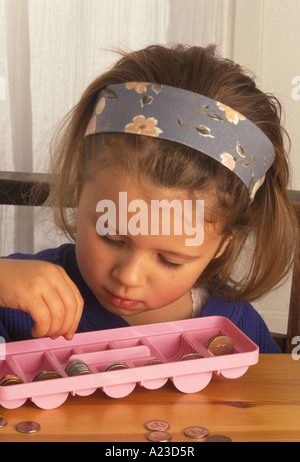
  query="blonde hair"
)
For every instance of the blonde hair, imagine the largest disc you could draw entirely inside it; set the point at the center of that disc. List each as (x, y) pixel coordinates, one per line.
(268, 223)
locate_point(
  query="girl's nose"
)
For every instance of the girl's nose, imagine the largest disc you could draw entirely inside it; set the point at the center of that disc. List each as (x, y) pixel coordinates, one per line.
(130, 271)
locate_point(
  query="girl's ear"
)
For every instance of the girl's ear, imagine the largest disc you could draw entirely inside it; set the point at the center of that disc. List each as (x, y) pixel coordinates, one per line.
(223, 246)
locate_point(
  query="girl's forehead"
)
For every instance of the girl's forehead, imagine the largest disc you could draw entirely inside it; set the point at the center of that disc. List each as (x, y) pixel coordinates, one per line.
(112, 180)
(122, 191)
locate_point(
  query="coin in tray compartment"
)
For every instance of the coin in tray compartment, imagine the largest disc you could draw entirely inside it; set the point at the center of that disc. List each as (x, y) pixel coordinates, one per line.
(47, 375)
(77, 367)
(220, 345)
(189, 356)
(116, 367)
(10, 379)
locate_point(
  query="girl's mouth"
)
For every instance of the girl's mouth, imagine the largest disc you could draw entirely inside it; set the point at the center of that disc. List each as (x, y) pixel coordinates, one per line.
(122, 302)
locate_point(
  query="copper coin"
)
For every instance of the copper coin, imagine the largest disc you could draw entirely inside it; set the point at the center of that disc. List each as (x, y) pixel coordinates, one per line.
(195, 432)
(151, 362)
(220, 345)
(47, 375)
(28, 427)
(159, 425)
(3, 422)
(158, 436)
(116, 367)
(190, 356)
(218, 439)
(10, 379)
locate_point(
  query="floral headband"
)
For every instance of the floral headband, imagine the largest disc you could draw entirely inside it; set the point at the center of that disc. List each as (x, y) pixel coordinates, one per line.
(174, 114)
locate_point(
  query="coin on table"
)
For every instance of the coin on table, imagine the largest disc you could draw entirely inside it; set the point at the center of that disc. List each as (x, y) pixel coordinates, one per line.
(195, 432)
(159, 425)
(188, 356)
(28, 427)
(159, 436)
(10, 379)
(218, 439)
(220, 345)
(116, 367)
(47, 375)
(3, 422)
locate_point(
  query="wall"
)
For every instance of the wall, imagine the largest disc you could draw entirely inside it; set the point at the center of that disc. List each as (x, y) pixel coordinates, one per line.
(266, 39)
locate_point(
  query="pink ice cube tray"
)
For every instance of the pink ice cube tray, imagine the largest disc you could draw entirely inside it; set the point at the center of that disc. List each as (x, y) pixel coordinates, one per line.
(133, 346)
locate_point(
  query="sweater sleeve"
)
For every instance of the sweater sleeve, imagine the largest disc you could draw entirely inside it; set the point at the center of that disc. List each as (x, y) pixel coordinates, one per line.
(15, 324)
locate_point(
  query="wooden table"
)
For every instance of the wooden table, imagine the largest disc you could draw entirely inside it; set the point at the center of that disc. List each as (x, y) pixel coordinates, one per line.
(262, 405)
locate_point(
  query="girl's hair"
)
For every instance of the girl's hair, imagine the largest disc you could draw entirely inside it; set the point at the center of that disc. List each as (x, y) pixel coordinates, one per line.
(267, 224)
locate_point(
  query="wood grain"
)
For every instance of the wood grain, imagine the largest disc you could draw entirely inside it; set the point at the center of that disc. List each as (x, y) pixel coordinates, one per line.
(262, 405)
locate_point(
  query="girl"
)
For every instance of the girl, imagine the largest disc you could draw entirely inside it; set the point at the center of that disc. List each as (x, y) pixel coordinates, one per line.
(174, 127)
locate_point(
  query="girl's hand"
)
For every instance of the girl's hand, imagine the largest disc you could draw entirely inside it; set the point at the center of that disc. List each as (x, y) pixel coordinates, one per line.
(45, 291)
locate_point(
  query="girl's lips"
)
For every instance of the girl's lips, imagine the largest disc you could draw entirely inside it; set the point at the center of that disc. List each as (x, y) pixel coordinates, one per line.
(121, 302)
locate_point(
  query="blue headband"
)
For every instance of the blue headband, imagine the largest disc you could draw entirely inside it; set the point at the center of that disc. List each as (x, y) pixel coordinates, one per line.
(174, 114)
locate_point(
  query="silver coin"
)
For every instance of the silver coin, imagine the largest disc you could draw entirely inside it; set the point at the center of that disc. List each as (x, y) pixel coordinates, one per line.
(159, 436)
(77, 367)
(28, 427)
(3, 422)
(218, 439)
(159, 425)
(195, 432)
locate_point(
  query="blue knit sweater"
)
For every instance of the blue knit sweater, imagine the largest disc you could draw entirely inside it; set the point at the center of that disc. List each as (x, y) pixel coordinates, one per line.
(16, 325)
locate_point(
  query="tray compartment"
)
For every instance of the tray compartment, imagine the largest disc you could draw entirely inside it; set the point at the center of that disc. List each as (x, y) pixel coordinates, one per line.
(172, 346)
(201, 339)
(33, 363)
(7, 367)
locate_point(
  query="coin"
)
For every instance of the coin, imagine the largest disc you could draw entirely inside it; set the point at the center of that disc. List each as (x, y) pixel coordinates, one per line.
(150, 362)
(10, 379)
(190, 356)
(220, 345)
(195, 432)
(46, 375)
(218, 439)
(77, 367)
(159, 436)
(115, 367)
(159, 425)
(3, 422)
(28, 427)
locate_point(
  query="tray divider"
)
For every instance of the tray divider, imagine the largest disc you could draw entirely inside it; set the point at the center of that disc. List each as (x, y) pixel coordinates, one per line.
(15, 367)
(154, 351)
(57, 366)
(199, 347)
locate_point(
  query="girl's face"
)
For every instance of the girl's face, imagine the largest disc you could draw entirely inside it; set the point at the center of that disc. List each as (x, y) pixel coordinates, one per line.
(132, 275)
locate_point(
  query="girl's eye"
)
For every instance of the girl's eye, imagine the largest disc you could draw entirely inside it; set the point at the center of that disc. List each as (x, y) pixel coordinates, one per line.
(110, 241)
(169, 264)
